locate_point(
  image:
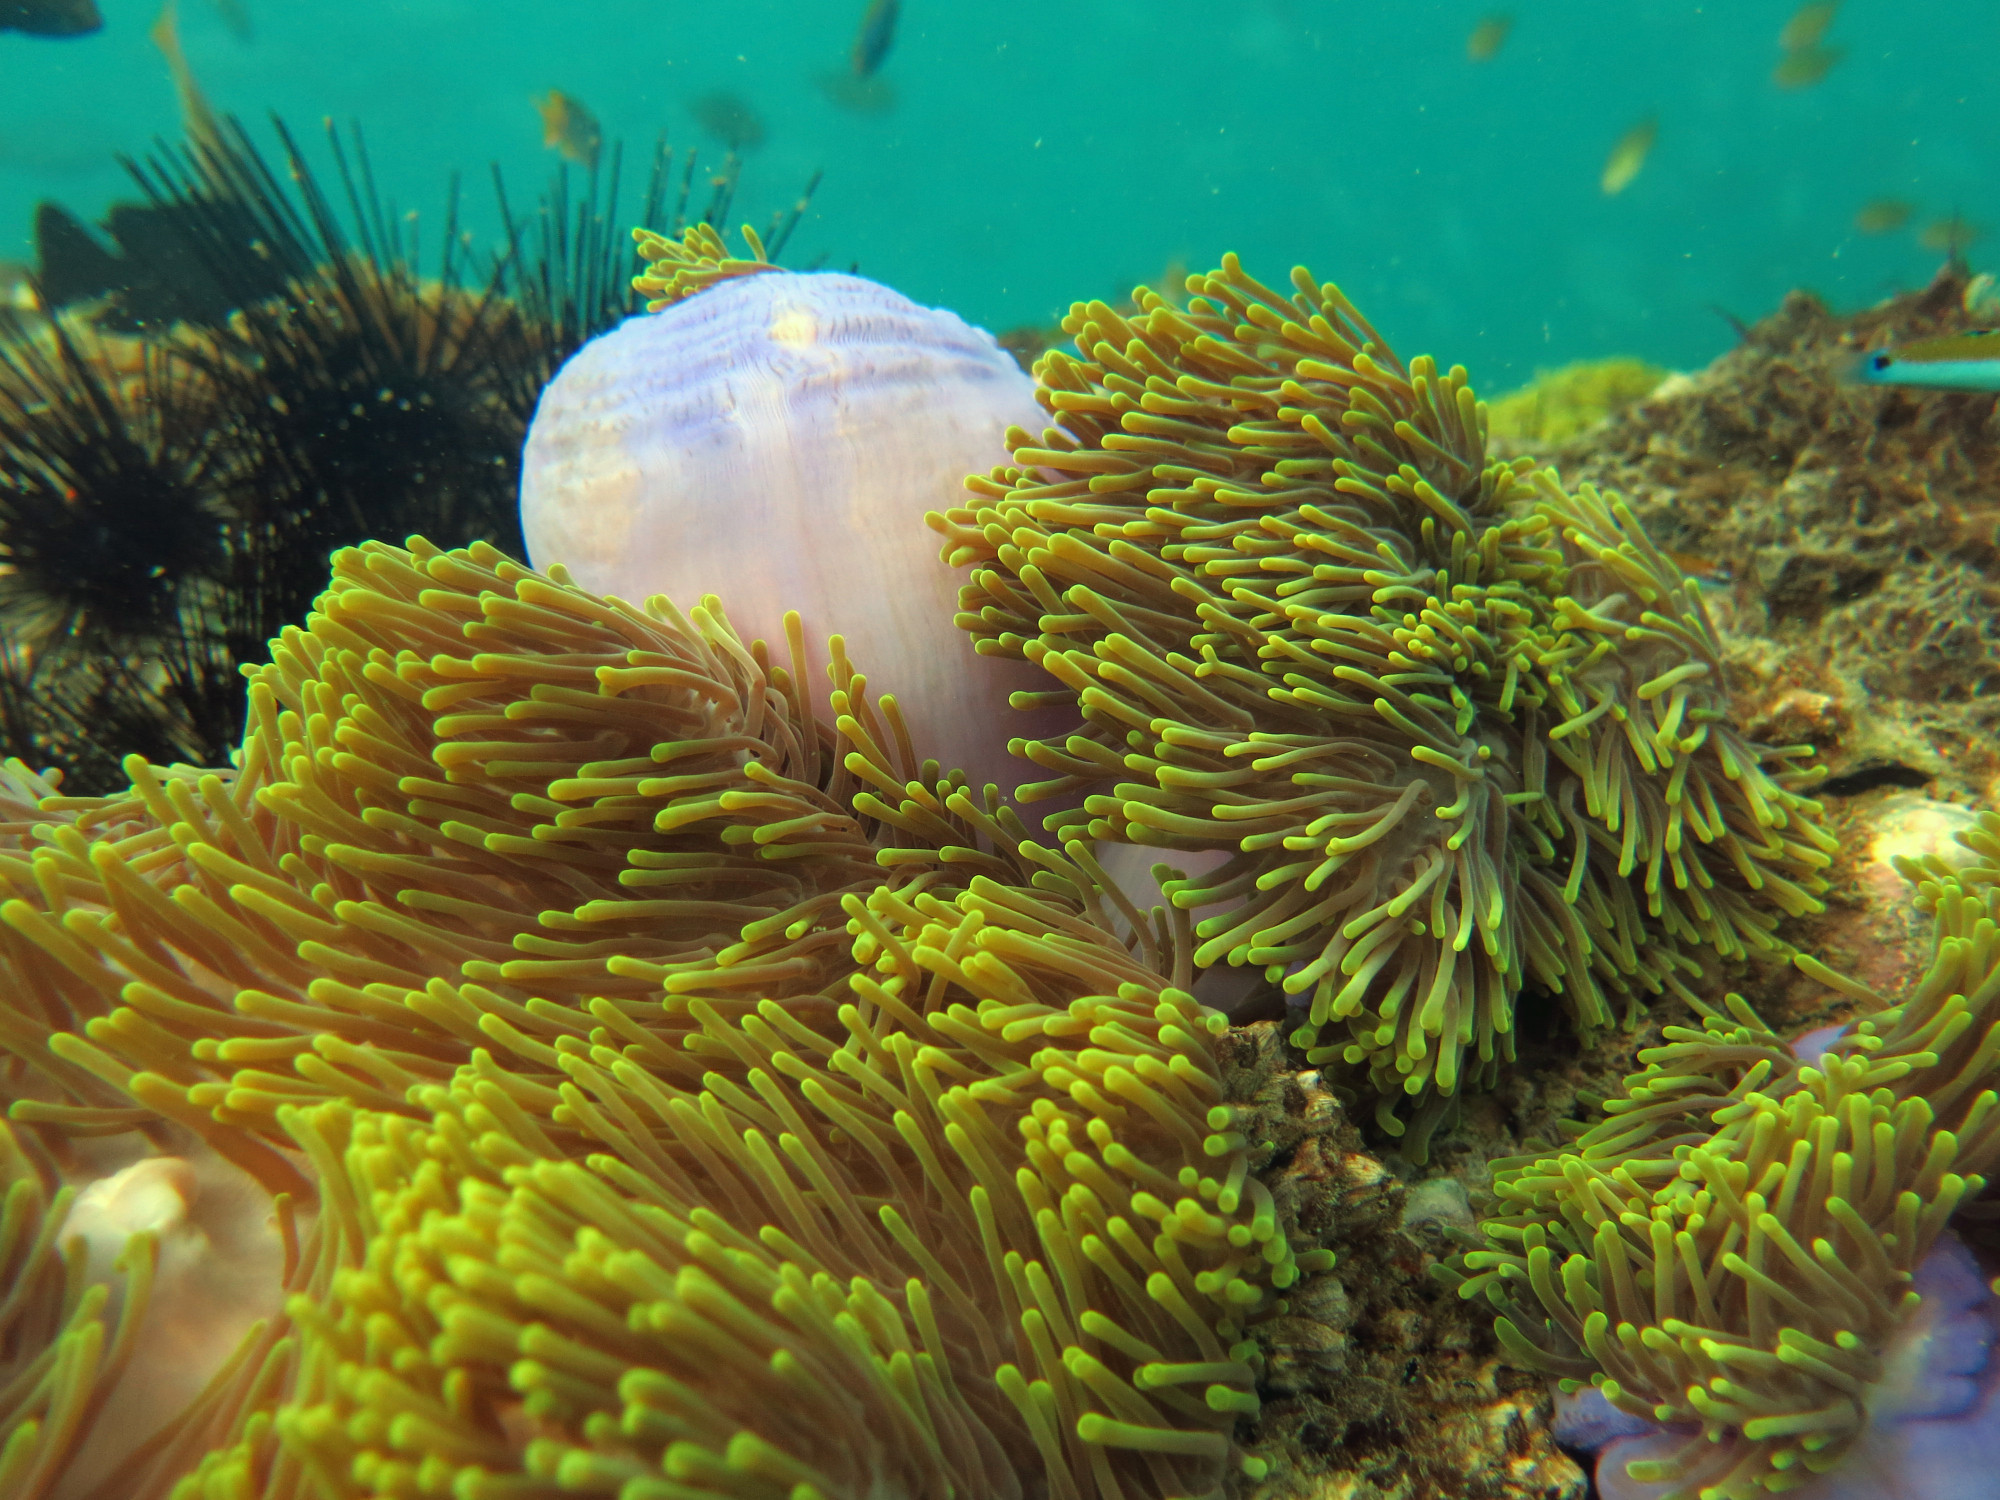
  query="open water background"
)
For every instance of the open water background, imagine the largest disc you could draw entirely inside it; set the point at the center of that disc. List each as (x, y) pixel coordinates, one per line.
(1047, 150)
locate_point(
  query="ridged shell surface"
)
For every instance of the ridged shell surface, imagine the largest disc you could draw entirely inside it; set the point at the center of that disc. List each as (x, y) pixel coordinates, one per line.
(776, 440)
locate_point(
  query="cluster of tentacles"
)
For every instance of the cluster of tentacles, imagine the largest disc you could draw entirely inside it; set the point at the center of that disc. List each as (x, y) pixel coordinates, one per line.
(1730, 1252)
(659, 1096)
(1442, 729)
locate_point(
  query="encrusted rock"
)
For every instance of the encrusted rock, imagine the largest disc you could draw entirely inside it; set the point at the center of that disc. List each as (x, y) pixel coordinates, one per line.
(1379, 1384)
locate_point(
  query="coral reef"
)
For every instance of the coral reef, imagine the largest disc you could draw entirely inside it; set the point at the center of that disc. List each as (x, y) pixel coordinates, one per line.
(1438, 728)
(1855, 528)
(659, 1089)
(1730, 1252)
(1377, 1384)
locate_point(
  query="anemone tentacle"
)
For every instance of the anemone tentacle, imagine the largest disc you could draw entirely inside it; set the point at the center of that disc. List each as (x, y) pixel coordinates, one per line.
(1732, 1249)
(1453, 730)
(597, 1021)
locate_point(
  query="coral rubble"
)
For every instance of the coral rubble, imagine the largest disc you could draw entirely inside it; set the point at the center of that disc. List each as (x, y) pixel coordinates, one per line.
(1850, 531)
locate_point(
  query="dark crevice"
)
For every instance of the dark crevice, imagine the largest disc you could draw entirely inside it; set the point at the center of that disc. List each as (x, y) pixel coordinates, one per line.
(1867, 778)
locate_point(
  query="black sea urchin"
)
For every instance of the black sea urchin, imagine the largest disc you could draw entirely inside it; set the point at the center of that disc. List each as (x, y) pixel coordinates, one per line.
(302, 384)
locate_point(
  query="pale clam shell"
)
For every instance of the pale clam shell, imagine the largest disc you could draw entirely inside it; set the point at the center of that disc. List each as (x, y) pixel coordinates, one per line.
(777, 440)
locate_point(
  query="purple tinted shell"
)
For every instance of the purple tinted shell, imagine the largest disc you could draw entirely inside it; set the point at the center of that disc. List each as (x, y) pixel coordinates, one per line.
(777, 440)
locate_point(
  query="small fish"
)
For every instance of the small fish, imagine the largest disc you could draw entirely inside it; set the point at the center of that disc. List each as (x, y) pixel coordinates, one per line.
(1805, 67)
(1629, 155)
(1967, 361)
(203, 129)
(1949, 236)
(236, 16)
(1883, 215)
(569, 128)
(51, 17)
(863, 96)
(730, 120)
(876, 36)
(1808, 25)
(1487, 37)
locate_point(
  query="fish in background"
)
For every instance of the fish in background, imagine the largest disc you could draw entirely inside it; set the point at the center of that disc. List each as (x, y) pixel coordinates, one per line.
(158, 271)
(1488, 37)
(1629, 155)
(1807, 56)
(1951, 235)
(730, 119)
(1808, 25)
(568, 127)
(1803, 69)
(876, 36)
(1883, 215)
(51, 17)
(861, 87)
(236, 16)
(1967, 361)
(203, 129)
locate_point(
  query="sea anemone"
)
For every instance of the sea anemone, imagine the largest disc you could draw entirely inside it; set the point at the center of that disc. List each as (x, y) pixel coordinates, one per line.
(126, 1301)
(1436, 729)
(1737, 1254)
(662, 1086)
(1931, 1421)
(788, 431)
(901, 1256)
(562, 983)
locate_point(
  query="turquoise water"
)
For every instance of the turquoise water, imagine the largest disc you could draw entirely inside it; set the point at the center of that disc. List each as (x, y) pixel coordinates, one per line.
(1040, 152)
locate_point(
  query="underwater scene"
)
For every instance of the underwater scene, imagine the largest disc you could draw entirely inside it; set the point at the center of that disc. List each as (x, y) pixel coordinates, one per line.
(882, 751)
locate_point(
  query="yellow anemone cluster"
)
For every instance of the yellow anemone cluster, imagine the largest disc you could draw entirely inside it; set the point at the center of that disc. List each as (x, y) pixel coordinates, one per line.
(1451, 729)
(677, 268)
(1558, 405)
(1732, 1247)
(659, 1095)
